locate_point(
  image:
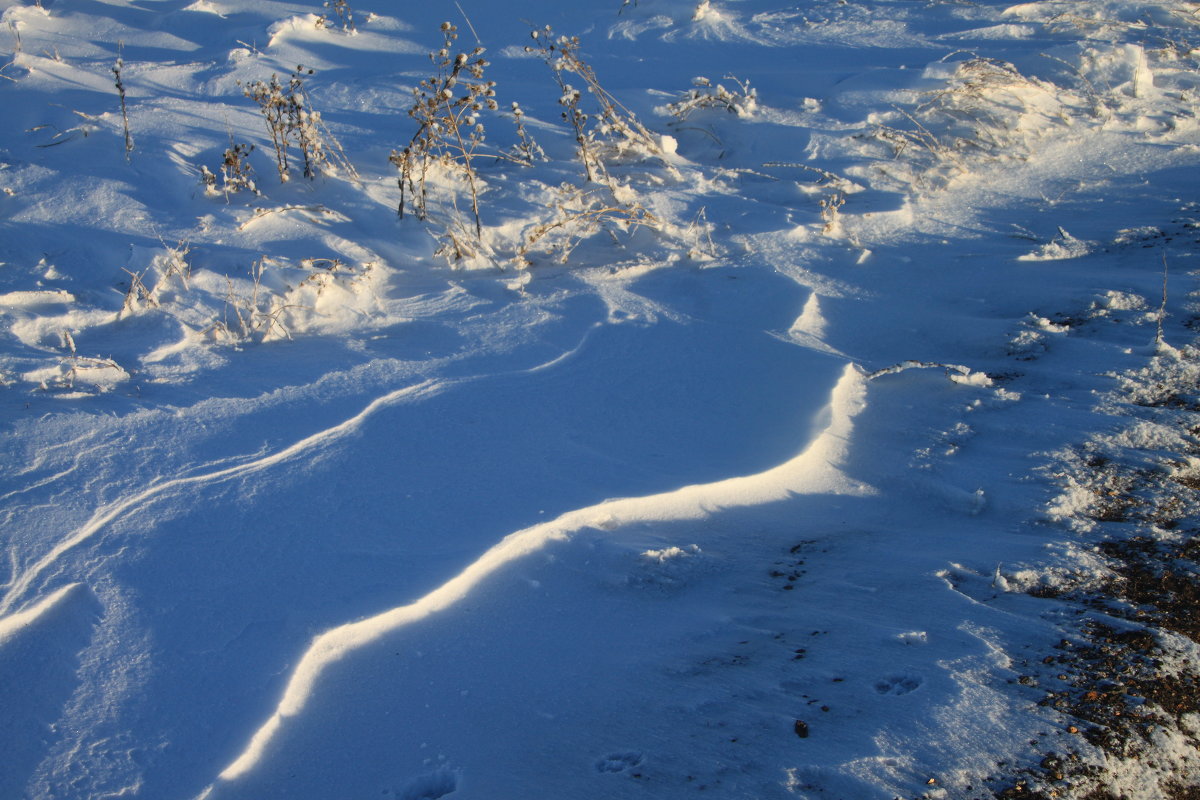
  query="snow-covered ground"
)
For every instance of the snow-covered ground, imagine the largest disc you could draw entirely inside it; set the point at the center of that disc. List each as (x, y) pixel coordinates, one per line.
(811, 448)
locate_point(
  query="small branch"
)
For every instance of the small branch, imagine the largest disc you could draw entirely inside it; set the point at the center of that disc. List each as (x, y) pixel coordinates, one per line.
(116, 70)
(468, 21)
(259, 213)
(904, 366)
(1162, 309)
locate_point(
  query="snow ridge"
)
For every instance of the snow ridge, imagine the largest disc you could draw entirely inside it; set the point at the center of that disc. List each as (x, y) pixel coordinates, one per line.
(815, 470)
(22, 582)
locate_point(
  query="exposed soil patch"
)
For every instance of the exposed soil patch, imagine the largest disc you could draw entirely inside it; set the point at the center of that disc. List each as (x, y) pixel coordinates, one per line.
(1127, 684)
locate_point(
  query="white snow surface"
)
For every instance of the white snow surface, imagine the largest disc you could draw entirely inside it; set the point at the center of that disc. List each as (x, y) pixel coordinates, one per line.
(303, 499)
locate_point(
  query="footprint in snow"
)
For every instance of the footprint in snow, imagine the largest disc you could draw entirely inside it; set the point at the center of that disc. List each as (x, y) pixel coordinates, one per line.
(431, 786)
(618, 762)
(896, 685)
(668, 569)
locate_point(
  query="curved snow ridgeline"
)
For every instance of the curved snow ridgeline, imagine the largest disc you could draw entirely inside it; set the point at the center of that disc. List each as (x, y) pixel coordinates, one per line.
(815, 470)
(27, 576)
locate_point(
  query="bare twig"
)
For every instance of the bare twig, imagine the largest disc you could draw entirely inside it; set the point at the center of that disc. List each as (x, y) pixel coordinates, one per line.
(116, 70)
(259, 213)
(1162, 309)
(446, 107)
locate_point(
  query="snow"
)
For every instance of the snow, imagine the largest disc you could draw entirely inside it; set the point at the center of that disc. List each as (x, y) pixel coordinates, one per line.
(763, 465)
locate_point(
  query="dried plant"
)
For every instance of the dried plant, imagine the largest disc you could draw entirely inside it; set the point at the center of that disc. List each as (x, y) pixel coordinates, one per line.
(830, 211)
(138, 294)
(455, 244)
(315, 212)
(986, 107)
(120, 84)
(82, 130)
(450, 132)
(257, 315)
(526, 151)
(1159, 341)
(282, 111)
(236, 173)
(921, 136)
(617, 127)
(578, 214)
(170, 264)
(345, 15)
(275, 301)
(173, 263)
(981, 87)
(703, 94)
(74, 367)
(291, 119)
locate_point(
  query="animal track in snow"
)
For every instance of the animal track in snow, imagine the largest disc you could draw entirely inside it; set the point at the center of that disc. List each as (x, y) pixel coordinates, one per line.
(430, 786)
(619, 762)
(897, 685)
(669, 568)
(1029, 342)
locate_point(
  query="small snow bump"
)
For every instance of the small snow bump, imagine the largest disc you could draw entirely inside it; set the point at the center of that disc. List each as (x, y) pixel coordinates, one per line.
(430, 786)
(971, 379)
(1060, 248)
(619, 762)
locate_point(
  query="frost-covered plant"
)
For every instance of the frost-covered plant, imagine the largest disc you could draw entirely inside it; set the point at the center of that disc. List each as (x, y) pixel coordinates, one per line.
(578, 214)
(577, 119)
(456, 244)
(918, 137)
(257, 315)
(1098, 101)
(743, 102)
(171, 264)
(236, 173)
(290, 120)
(345, 15)
(137, 293)
(102, 373)
(120, 84)
(981, 88)
(526, 151)
(617, 128)
(83, 130)
(986, 107)
(831, 211)
(450, 132)
(275, 303)
(15, 31)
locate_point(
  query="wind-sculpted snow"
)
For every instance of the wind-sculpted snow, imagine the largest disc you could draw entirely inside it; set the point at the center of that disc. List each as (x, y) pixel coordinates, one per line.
(661, 389)
(28, 576)
(815, 470)
(765, 433)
